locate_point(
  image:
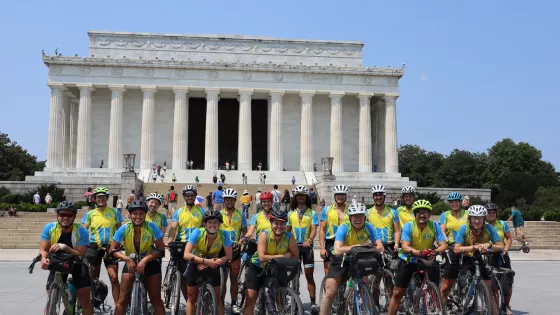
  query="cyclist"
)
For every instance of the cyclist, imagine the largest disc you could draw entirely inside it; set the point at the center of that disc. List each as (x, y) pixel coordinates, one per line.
(274, 242)
(405, 211)
(331, 218)
(477, 235)
(154, 201)
(261, 220)
(418, 236)
(384, 219)
(450, 222)
(185, 220)
(303, 222)
(102, 222)
(69, 237)
(234, 226)
(202, 252)
(355, 232)
(502, 261)
(138, 237)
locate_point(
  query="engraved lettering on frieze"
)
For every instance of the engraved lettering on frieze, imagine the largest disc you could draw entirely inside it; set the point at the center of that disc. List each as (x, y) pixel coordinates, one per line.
(247, 75)
(212, 74)
(366, 80)
(337, 78)
(150, 72)
(85, 70)
(307, 77)
(56, 70)
(181, 73)
(278, 77)
(117, 72)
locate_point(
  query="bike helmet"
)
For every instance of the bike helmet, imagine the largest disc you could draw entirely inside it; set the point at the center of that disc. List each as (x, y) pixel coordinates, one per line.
(491, 206)
(454, 196)
(138, 204)
(212, 214)
(265, 196)
(421, 204)
(408, 190)
(155, 196)
(300, 190)
(189, 188)
(340, 189)
(278, 215)
(229, 193)
(67, 205)
(356, 208)
(477, 211)
(379, 189)
(101, 190)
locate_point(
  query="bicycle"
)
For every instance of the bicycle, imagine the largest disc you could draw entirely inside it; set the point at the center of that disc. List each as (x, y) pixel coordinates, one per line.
(172, 281)
(286, 300)
(382, 282)
(139, 295)
(247, 250)
(206, 302)
(524, 245)
(422, 296)
(294, 284)
(501, 283)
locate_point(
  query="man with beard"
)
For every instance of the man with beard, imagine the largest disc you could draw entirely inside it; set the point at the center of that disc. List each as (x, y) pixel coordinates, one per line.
(331, 218)
(384, 219)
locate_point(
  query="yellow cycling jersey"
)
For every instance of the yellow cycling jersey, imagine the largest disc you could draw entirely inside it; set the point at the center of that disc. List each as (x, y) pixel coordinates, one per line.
(200, 243)
(102, 224)
(301, 228)
(489, 235)
(330, 215)
(405, 215)
(273, 247)
(348, 236)
(52, 232)
(232, 228)
(125, 237)
(384, 223)
(159, 219)
(261, 222)
(452, 224)
(501, 228)
(188, 221)
(420, 239)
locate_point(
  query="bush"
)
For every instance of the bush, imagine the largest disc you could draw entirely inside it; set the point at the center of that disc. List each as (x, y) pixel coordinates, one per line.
(552, 215)
(439, 207)
(534, 214)
(80, 204)
(26, 207)
(477, 201)
(503, 214)
(10, 198)
(432, 197)
(57, 194)
(4, 191)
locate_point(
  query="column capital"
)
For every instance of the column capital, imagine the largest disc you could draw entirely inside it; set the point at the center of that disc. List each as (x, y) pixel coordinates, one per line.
(214, 92)
(117, 88)
(277, 92)
(366, 96)
(181, 89)
(74, 99)
(56, 85)
(245, 91)
(391, 95)
(68, 94)
(85, 87)
(306, 93)
(336, 94)
(149, 88)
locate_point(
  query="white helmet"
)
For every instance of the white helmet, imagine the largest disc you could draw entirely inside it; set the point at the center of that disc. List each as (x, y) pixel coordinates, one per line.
(340, 189)
(356, 208)
(408, 190)
(379, 189)
(229, 193)
(477, 211)
(300, 190)
(155, 196)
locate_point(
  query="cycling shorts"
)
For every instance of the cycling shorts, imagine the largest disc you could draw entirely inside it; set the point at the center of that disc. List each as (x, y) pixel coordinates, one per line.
(102, 255)
(306, 256)
(152, 268)
(80, 277)
(468, 264)
(451, 264)
(405, 271)
(252, 281)
(329, 247)
(192, 274)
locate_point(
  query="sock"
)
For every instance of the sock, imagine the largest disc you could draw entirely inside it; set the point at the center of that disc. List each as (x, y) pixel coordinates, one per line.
(312, 300)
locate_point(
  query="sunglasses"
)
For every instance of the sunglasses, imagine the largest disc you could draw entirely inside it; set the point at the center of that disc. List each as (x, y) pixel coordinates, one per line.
(65, 215)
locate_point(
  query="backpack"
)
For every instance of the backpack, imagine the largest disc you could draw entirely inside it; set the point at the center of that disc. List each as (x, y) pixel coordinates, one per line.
(172, 196)
(101, 292)
(313, 196)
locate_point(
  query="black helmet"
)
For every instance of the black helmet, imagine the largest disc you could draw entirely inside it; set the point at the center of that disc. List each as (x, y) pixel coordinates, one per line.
(278, 215)
(138, 204)
(66, 205)
(212, 214)
(491, 206)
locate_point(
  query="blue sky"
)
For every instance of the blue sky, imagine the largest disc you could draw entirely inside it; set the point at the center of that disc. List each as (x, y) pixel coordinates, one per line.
(476, 71)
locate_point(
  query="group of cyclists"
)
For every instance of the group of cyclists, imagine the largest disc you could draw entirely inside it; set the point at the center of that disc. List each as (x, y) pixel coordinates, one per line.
(214, 239)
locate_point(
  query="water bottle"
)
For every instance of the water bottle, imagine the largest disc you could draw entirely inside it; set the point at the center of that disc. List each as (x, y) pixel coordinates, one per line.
(349, 284)
(71, 291)
(412, 288)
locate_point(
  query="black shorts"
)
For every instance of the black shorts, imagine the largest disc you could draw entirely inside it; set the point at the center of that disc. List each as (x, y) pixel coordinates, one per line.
(236, 254)
(451, 265)
(102, 254)
(192, 274)
(151, 269)
(252, 281)
(306, 256)
(336, 268)
(404, 273)
(329, 247)
(80, 277)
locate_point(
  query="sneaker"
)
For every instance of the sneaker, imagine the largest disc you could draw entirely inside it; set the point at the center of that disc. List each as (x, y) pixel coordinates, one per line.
(235, 309)
(314, 309)
(508, 311)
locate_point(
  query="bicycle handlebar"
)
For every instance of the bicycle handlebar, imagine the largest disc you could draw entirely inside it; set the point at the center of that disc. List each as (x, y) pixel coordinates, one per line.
(33, 262)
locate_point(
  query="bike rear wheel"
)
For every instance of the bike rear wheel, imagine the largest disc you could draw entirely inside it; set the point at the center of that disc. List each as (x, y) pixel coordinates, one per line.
(431, 301)
(224, 273)
(498, 294)
(364, 304)
(286, 300)
(53, 304)
(138, 299)
(166, 287)
(175, 294)
(207, 302)
(382, 285)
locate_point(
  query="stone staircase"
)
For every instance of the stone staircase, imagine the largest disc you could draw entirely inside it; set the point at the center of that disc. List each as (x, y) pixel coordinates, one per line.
(232, 177)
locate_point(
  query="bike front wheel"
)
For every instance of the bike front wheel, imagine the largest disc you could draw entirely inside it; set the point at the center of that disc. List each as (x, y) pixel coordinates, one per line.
(166, 287)
(53, 304)
(431, 301)
(481, 301)
(175, 292)
(498, 294)
(382, 285)
(362, 303)
(286, 300)
(207, 302)
(241, 284)
(138, 299)
(224, 271)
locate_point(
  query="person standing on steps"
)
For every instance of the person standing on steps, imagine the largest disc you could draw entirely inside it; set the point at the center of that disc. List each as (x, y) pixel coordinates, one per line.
(217, 199)
(276, 195)
(313, 196)
(518, 222)
(245, 202)
(171, 201)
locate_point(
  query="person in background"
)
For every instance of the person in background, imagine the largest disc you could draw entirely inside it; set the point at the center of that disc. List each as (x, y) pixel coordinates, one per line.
(293, 180)
(209, 204)
(164, 166)
(88, 196)
(48, 198)
(313, 196)
(518, 222)
(286, 199)
(217, 199)
(119, 204)
(276, 197)
(37, 197)
(466, 202)
(245, 203)
(197, 181)
(171, 200)
(173, 178)
(258, 199)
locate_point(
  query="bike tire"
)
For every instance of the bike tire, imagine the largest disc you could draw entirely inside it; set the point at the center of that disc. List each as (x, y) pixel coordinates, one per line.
(241, 284)
(223, 282)
(481, 300)
(435, 296)
(138, 299)
(207, 302)
(53, 304)
(368, 306)
(175, 297)
(294, 305)
(499, 299)
(166, 287)
(526, 249)
(382, 286)
(294, 284)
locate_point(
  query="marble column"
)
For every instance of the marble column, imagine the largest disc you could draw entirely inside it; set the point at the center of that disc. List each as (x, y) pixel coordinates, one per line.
(381, 110)
(147, 157)
(336, 132)
(365, 133)
(391, 145)
(73, 127)
(115, 159)
(211, 143)
(66, 129)
(83, 148)
(244, 144)
(374, 123)
(306, 142)
(54, 144)
(276, 156)
(180, 128)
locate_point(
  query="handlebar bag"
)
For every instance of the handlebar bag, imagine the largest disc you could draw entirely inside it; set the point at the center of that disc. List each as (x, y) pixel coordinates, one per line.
(61, 262)
(177, 250)
(284, 269)
(364, 261)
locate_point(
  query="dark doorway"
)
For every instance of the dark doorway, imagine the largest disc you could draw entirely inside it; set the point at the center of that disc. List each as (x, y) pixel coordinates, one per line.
(228, 130)
(259, 133)
(197, 131)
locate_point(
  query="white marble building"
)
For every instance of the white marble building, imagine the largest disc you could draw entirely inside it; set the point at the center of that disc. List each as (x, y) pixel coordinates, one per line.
(133, 91)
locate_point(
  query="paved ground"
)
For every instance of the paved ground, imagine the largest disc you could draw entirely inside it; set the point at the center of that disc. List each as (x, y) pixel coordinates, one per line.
(535, 284)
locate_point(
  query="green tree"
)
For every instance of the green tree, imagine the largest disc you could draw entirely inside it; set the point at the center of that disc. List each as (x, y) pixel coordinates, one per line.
(16, 162)
(463, 169)
(420, 165)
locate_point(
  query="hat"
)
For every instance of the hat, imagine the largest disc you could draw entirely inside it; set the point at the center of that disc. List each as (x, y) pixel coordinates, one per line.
(245, 192)
(259, 190)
